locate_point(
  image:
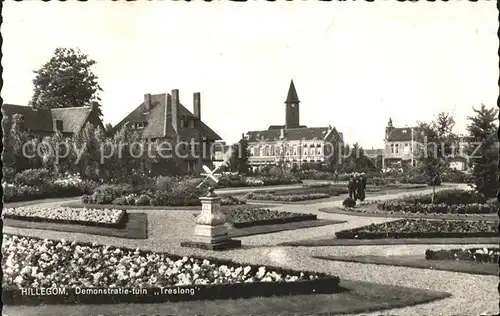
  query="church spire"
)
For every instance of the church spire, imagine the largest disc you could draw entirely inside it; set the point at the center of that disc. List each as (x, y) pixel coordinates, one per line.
(292, 94)
(292, 108)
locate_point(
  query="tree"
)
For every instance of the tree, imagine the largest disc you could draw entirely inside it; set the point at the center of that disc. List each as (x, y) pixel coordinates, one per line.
(483, 132)
(438, 143)
(238, 162)
(16, 141)
(66, 80)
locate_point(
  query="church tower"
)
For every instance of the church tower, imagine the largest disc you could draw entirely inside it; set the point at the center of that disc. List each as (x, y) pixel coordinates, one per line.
(292, 108)
(389, 128)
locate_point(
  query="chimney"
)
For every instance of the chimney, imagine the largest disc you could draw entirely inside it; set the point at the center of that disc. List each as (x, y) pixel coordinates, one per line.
(175, 110)
(168, 113)
(196, 105)
(147, 102)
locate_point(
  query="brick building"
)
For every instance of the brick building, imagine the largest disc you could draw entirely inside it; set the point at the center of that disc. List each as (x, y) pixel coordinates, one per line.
(292, 143)
(45, 122)
(162, 117)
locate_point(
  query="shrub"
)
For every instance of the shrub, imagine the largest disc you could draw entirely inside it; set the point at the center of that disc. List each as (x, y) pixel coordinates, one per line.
(231, 200)
(166, 198)
(448, 197)
(165, 183)
(16, 193)
(106, 193)
(86, 199)
(471, 254)
(9, 174)
(311, 174)
(33, 177)
(143, 200)
(349, 202)
(392, 206)
(119, 201)
(253, 181)
(131, 199)
(286, 198)
(456, 176)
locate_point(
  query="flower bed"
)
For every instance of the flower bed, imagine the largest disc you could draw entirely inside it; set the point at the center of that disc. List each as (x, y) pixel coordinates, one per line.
(182, 194)
(286, 198)
(241, 218)
(396, 206)
(34, 263)
(406, 186)
(422, 228)
(448, 197)
(36, 184)
(65, 215)
(482, 255)
(233, 181)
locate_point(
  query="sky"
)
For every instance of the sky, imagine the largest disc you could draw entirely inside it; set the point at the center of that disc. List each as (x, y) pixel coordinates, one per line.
(354, 64)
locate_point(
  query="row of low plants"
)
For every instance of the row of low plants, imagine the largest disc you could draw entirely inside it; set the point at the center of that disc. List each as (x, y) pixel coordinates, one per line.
(165, 191)
(448, 197)
(332, 190)
(475, 208)
(285, 198)
(260, 216)
(34, 263)
(35, 184)
(422, 228)
(482, 255)
(97, 217)
(230, 180)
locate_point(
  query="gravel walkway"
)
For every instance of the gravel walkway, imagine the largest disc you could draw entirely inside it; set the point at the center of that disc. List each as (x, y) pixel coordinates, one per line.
(472, 294)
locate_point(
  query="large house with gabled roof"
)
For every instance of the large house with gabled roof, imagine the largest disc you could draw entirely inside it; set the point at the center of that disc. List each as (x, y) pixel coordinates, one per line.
(292, 144)
(162, 117)
(45, 122)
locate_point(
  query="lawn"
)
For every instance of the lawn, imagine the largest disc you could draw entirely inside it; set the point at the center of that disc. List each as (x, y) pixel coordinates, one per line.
(371, 210)
(357, 297)
(135, 226)
(332, 241)
(419, 261)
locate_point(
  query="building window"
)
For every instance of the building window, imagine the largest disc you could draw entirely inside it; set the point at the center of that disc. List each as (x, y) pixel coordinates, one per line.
(272, 150)
(252, 151)
(406, 144)
(392, 148)
(397, 148)
(295, 150)
(191, 123)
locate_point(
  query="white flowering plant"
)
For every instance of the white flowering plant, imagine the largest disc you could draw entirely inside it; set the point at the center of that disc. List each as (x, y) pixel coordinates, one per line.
(480, 255)
(31, 262)
(104, 216)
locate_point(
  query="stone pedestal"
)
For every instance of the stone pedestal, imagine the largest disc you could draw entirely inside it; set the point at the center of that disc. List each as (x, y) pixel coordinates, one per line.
(210, 231)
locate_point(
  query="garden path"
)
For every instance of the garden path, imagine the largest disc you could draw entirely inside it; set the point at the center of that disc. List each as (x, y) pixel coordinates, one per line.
(472, 294)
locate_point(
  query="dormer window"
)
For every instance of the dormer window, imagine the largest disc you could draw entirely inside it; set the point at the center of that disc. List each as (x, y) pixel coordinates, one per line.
(139, 125)
(184, 123)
